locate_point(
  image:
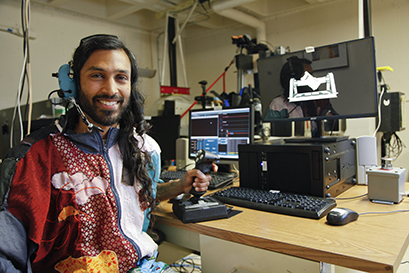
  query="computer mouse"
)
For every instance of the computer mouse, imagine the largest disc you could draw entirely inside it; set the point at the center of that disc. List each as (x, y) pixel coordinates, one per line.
(341, 216)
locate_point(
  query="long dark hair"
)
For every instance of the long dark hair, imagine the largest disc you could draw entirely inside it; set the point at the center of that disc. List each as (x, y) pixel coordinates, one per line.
(136, 160)
(293, 68)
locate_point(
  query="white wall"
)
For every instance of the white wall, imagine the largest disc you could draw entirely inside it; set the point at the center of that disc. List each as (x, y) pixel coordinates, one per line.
(208, 53)
(57, 35)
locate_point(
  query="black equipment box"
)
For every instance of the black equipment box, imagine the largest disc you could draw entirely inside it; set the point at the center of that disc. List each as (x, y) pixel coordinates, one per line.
(393, 112)
(323, 169)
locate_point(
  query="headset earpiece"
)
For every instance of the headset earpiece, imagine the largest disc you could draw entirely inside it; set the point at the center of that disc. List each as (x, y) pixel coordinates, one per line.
(296, 67)
(66, 81)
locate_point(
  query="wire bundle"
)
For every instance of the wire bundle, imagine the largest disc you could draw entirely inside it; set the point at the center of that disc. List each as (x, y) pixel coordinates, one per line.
(189, 264)
(25, 75)
(396, 146)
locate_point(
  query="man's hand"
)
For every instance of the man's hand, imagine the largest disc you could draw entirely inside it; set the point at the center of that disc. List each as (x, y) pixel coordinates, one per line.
(174, 188)
(195, 178)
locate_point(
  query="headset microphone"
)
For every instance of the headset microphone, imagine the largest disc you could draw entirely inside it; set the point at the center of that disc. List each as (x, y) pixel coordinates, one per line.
(84, 119)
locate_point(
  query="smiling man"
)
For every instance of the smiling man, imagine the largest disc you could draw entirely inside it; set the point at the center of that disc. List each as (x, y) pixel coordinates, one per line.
(106, 77)
(75, 199)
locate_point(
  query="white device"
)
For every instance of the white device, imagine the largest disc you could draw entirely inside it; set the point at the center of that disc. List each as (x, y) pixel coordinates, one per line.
(314, 83)
(182, 154)
(366, 157)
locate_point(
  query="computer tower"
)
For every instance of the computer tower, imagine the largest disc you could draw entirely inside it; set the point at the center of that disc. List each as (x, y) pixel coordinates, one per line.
(321, 169)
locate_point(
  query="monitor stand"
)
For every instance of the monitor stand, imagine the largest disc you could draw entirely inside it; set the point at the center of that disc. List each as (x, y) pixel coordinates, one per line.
(317, 136)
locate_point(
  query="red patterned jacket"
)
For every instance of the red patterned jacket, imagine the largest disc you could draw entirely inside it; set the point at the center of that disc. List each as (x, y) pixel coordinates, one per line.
(65, 207)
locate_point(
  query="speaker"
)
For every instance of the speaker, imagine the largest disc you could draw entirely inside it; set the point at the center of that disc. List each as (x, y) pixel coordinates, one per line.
(367, 157)
(182, 154)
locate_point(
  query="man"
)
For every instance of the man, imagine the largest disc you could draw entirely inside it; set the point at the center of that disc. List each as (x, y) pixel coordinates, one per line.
(77, 199)
(280, 107)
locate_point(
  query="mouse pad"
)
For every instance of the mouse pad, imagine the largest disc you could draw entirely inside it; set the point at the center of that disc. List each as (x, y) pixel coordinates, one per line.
(232, 213)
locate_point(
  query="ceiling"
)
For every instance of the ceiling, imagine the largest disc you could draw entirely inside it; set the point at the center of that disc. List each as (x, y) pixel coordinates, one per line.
(149, 15)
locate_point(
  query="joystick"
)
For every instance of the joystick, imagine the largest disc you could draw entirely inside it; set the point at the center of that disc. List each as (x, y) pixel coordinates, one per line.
(203, 162)
(200, 208)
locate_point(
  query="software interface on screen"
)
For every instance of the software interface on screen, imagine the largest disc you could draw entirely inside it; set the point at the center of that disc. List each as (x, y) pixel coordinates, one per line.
(220, 131)
(342, 83)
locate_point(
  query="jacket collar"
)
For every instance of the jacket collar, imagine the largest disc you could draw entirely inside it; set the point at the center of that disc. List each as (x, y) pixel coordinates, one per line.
(92, 142)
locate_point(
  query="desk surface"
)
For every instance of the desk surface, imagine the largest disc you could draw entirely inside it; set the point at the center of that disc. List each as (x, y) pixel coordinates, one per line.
(373, 243)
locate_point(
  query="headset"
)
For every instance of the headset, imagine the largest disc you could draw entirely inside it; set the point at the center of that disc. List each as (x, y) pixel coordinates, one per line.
(68, 88)
(296, 67)
(68, 91)
(66, 82)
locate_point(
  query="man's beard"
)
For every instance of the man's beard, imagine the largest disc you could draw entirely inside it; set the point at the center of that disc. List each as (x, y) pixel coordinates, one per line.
(102, 117)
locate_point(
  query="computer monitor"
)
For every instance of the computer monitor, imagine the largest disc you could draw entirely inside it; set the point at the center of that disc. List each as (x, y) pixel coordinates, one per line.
(341, 85)
(165, 130)
(220, 131)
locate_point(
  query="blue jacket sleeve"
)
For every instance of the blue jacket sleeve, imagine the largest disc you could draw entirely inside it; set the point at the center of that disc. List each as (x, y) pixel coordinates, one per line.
(15, 249)
(154, 174)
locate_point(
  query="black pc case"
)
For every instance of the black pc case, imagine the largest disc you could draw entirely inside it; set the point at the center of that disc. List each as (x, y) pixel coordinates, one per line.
(323, 169)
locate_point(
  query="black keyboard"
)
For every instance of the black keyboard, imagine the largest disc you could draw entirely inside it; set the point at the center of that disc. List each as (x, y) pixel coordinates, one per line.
(219, 179)
(278, 202)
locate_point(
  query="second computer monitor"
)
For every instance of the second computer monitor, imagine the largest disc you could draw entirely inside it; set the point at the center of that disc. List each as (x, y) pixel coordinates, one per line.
(220, 131)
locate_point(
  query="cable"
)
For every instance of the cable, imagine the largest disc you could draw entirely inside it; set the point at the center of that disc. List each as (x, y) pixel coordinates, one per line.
(17, 110)
(396, 146)
(292, 110)
(187, 263)
(222, 75)
(28, 65)
(384, 212)
(235, 168)
(20, 88)
(192, 9)
(384, 87)
(379, 112)
(372, 212)
(25, 73)
(184, 167)
(349, 198)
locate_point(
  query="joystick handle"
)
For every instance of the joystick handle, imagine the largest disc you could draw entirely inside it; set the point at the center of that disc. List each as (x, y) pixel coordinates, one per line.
(204, 160)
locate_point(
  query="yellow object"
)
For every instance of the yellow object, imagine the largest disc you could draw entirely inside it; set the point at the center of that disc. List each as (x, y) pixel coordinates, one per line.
(384, 68)
(105, 262)
(66, 212)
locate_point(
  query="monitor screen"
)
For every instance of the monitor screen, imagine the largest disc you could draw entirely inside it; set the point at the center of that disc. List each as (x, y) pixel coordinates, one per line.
(220, 131)
(336, 81)
(165, 130)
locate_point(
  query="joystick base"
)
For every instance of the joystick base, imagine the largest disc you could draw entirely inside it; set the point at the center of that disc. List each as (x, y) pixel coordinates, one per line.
(202, 209)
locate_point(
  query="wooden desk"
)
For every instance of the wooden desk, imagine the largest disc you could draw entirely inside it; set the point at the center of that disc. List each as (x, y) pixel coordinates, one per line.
(373, 243)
